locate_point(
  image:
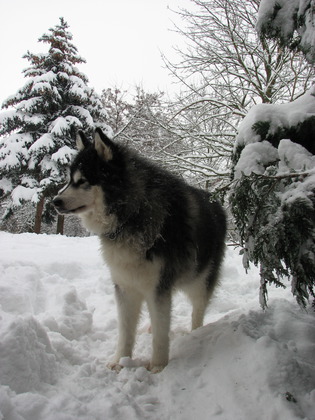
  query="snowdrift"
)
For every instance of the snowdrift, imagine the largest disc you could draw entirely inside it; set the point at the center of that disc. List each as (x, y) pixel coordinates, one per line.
(58, 330)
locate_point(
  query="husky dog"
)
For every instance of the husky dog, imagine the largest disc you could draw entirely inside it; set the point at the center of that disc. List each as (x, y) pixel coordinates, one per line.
(157, 233)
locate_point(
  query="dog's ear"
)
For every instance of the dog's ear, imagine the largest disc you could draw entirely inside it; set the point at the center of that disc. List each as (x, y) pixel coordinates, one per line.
(81, 141)
(103, 145)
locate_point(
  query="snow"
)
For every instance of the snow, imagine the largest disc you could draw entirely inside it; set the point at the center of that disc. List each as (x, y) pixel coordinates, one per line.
(285, 10)
(255, 157)
(41, 87)
(77, 81)
(8, 114)
(48, 76)
(21, 194)
(295, 156)
(77, 92)
(279, 115)
(284, 17)
(59, 126)
(29, 104)
(45, 142)
(64, 155)
(83, 114)
(289, 156)
(5, 184)
(9, 161)
(58, 330)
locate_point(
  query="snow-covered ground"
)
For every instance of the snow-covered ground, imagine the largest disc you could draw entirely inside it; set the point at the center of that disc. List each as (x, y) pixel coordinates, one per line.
(58, 330)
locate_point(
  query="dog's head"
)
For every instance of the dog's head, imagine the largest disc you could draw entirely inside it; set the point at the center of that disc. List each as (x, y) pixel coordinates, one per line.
(89, 169)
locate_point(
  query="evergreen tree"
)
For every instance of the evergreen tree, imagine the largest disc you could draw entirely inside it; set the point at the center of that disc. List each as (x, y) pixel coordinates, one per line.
(40, 123)
(273, 196)
(290, 21)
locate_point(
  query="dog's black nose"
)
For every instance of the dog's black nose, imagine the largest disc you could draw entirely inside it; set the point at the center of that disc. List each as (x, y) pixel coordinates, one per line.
(57, 202)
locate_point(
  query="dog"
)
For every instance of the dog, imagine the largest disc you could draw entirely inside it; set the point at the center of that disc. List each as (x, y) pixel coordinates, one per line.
(157, 234)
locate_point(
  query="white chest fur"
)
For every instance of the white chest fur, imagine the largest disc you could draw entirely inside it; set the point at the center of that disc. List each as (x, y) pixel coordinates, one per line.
(129, 269)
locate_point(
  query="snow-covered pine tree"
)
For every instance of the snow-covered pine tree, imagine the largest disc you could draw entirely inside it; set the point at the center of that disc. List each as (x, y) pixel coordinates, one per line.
(273, 197)
(292, 22)
(38, 127)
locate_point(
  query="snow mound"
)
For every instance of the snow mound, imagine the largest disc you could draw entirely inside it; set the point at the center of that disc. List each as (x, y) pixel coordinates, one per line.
(27, 358)
(76, 321)
(242, 362)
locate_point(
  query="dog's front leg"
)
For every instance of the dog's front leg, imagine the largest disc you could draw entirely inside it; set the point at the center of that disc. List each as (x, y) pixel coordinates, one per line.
(128, 306)
(159, 306)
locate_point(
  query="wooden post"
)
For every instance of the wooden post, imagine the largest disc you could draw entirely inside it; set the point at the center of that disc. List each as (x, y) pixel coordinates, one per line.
(60, 224)
(38, 215)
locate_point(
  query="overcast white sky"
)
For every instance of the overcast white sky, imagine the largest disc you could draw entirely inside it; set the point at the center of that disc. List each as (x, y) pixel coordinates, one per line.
(120, 39)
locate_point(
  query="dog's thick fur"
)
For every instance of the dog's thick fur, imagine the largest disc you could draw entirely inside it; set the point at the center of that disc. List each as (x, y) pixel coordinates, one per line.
(157, 234)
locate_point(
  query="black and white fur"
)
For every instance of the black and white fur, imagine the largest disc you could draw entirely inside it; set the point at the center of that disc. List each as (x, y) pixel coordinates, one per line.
(157, 234)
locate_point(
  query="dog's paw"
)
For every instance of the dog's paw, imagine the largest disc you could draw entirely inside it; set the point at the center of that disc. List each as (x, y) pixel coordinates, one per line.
(155, 368)
(114, 366)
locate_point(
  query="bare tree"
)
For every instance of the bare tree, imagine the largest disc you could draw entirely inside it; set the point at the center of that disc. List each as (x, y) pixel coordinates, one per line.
(139, 119)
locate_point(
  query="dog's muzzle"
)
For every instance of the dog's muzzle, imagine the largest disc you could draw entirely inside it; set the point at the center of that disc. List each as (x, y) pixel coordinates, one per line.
(62, 208)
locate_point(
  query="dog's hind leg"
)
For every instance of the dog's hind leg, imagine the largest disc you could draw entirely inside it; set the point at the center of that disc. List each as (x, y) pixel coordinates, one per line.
(159, 307)
(199, 303)
(199, 296)
(128, 306)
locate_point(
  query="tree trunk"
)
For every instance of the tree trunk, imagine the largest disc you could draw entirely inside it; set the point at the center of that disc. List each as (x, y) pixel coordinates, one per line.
(38, 215)
(60, 224)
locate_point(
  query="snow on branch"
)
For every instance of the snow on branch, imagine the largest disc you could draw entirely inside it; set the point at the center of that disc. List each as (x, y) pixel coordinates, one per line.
(277, 115)
(291, 21)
